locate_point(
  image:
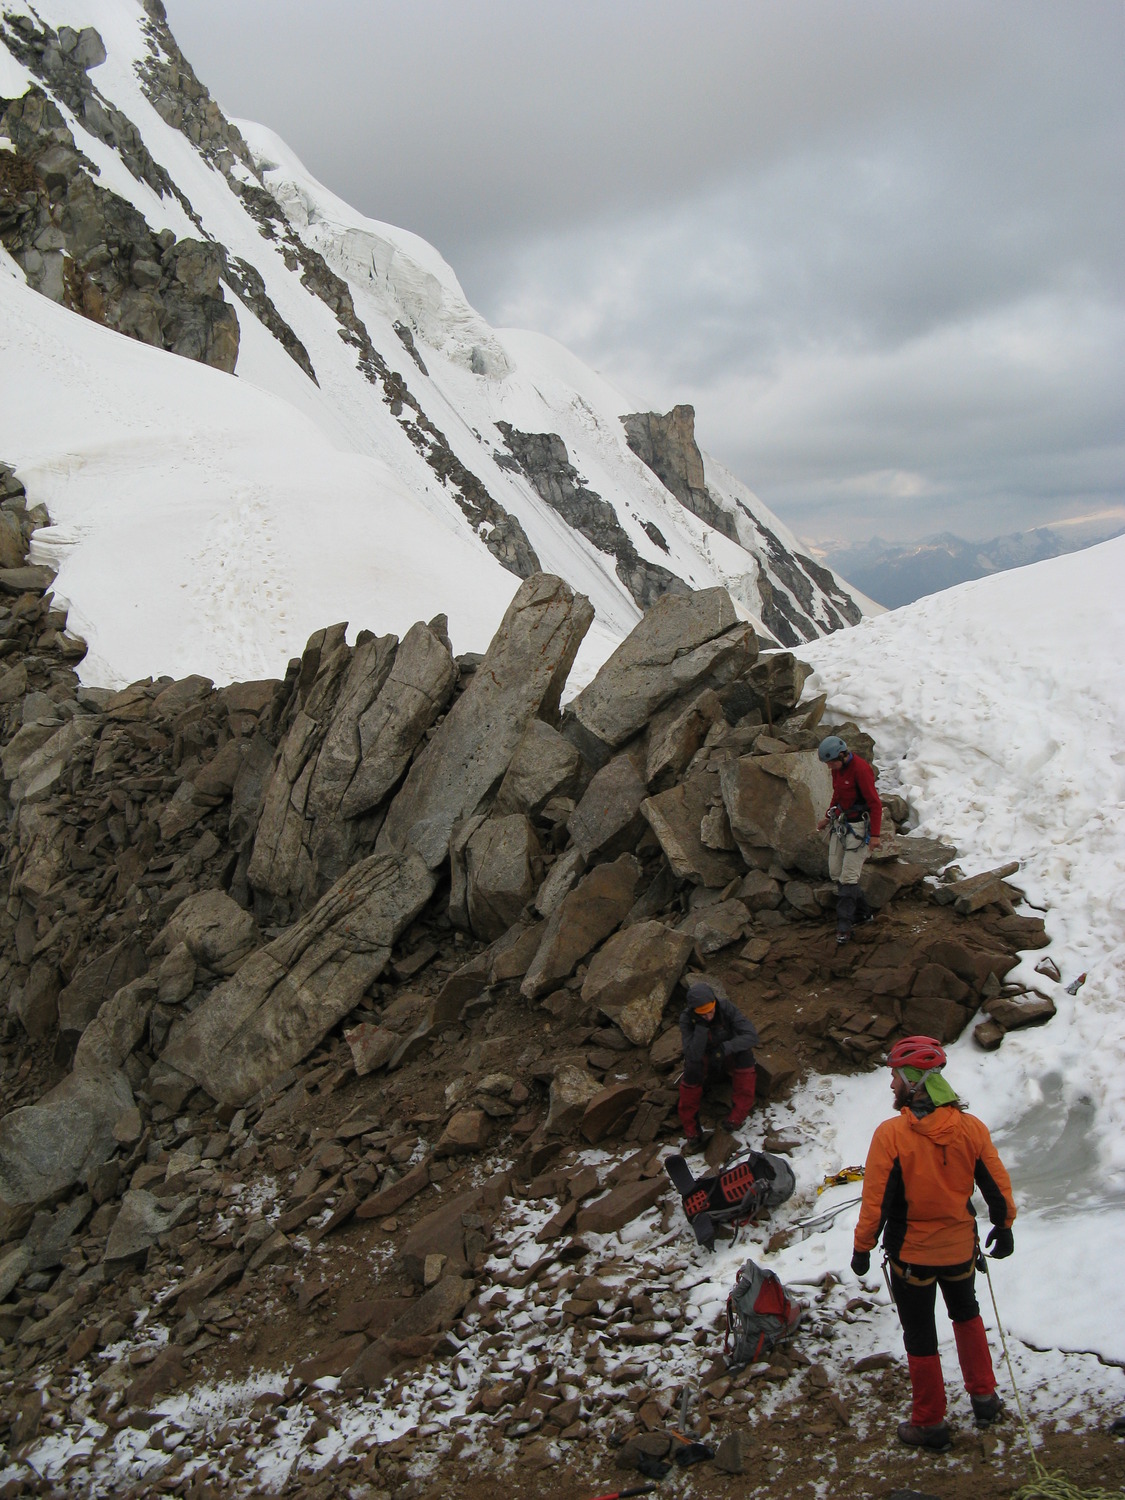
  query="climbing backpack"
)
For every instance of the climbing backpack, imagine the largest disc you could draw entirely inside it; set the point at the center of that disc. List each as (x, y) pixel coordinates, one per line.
(760, 1313)
(734, 1196)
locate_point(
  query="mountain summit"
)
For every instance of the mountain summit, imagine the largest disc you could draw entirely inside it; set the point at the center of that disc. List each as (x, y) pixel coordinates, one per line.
(379, 448)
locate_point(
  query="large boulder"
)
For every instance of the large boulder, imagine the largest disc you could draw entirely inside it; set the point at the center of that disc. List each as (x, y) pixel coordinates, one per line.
(286, 996)
(677, 817)
(140, 1222)
(521, 678)
(100, 979)
(715, 927)
(632, 977)
(47, 1147)
(544, 765)
(778, 678)
(680, 641)
(672, 744)
(774, 802)
(417, 689)
(572, 1088)
(117, 1028)
(585, 917)
(503, 866)
(36, 1002)
(214, 928)
(42, 770)
(606, 820)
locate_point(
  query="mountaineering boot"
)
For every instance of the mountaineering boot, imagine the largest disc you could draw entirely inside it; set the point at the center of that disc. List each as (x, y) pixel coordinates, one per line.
(691, 1097)
(935, 1438)
(987, 1409)
(926, 1428)
(743, 1083)
(847, 898)
(975, 1360)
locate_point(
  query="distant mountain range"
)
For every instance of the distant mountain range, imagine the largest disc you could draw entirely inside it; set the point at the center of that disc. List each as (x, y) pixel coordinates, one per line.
(895, 573)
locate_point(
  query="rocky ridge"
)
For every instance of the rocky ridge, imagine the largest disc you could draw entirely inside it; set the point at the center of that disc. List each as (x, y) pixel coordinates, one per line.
(321, 992)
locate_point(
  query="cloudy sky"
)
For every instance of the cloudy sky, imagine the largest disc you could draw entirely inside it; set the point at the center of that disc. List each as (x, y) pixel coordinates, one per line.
(878, 244)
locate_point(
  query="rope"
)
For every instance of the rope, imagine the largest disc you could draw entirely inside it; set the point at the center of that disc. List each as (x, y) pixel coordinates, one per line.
(1047, 1484)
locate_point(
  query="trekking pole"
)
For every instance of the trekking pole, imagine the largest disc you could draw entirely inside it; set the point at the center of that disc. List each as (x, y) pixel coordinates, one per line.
(823, 1220)
(1047, 1484)
(887, 1278)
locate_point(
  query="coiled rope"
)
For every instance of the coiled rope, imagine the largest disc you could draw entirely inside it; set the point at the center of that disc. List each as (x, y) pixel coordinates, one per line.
(1048, 1484)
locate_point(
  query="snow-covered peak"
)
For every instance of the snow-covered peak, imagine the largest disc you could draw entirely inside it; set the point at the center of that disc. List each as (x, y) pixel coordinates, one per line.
(201, 237)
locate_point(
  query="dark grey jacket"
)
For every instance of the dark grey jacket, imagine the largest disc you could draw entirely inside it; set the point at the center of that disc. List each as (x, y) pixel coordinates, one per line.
(728, 1041)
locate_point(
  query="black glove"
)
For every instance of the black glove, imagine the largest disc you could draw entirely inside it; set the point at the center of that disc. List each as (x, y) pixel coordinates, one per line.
(861, 1262)
(1000, 1236)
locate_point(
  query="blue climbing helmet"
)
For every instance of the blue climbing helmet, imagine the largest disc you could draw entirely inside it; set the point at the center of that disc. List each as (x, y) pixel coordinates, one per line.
(832, 748)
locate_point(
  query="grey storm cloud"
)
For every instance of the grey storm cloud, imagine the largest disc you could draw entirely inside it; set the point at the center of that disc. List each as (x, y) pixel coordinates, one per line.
(877, 245)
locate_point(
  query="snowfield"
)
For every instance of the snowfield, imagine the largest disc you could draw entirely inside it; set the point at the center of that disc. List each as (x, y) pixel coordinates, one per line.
(998, 711)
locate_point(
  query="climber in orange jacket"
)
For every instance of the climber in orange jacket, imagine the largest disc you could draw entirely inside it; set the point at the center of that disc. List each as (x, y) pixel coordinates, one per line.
(922, 1167)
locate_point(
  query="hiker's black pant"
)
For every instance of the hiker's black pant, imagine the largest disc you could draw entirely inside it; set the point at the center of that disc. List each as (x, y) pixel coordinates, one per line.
(916, 1303)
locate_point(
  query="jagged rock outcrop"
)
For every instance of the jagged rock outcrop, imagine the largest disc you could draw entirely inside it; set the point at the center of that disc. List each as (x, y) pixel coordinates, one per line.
(679, 643)
(49, 1146)
(521, 678)
(773, 803)
(357, 716)
(543, 458)
(205, 1048)
(84, 246)
(665, 443)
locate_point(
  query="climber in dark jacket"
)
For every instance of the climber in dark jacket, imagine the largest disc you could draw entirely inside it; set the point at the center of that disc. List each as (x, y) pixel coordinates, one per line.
(716, 1036)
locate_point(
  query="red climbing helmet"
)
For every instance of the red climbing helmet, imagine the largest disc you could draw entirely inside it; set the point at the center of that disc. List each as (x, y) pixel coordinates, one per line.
(917, 1052)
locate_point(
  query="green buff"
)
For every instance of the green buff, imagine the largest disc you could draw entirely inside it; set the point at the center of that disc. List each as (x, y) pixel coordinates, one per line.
(939, 1090)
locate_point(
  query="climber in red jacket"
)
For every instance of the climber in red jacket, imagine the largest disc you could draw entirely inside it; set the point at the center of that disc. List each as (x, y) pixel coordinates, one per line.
(855, 817)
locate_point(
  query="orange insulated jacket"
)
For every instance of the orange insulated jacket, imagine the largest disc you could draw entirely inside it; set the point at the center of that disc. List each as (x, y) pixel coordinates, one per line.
(917, 1184)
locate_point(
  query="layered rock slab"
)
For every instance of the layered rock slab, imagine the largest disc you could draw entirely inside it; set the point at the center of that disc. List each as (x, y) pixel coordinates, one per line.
(520, 679)
(680, 641)
(354, 731)
(288, 995)
(584, 918)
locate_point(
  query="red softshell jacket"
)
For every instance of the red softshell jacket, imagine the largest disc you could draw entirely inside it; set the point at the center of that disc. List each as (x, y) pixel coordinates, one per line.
(919, 1177)
(853, 792)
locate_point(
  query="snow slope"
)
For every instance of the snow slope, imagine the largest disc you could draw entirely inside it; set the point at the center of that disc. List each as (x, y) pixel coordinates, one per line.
(998, 711)
(204, 525)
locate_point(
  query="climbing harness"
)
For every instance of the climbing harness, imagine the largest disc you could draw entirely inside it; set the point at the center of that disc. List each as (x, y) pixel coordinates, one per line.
(850, 828)
(837, 1179)
(1047, 1484)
